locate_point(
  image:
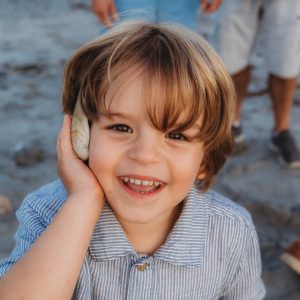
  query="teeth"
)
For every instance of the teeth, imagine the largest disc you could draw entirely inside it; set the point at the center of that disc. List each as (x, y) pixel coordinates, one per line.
(126, 179)
(140, 182)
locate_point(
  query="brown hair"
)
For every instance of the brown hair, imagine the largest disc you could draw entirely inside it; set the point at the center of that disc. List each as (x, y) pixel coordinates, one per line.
(193, 76)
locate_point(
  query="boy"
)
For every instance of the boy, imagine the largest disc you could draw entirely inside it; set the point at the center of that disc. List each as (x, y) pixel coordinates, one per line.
(130, 223)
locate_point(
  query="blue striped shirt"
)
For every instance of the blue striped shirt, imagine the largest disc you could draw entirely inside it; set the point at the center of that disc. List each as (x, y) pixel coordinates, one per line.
(211, 253)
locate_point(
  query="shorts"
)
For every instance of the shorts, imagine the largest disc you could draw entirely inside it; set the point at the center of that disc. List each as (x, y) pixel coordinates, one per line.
(179, 11)
(279, 29)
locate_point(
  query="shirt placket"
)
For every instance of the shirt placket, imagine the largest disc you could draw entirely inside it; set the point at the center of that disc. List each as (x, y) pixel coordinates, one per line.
(141, 279)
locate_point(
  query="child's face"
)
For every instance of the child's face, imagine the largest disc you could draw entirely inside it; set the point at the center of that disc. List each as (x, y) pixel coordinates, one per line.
(125, 147)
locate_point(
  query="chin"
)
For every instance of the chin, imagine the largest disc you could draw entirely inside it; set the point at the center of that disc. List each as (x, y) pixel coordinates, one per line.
(139, 218)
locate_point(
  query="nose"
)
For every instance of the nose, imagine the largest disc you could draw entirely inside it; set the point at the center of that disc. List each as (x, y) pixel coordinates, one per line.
(145, 148)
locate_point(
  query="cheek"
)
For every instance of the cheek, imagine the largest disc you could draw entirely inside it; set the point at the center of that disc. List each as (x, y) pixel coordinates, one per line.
(100, 158)
(188, 165)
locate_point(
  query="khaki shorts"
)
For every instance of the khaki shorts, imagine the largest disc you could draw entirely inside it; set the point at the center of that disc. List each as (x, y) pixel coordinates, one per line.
(279, 29)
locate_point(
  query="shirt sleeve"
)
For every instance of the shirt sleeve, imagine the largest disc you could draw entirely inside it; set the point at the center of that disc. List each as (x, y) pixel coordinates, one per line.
(30, 227)
(247, 283)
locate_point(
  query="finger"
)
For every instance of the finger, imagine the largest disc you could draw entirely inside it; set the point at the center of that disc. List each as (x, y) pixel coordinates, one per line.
(66, 131)
(210, 6)
(65, 145)
(58, 139)
(97, 10)
(58, 153)
(204, 5)
(215, 5)
(114, 13)
(105, 19)
(57, 146)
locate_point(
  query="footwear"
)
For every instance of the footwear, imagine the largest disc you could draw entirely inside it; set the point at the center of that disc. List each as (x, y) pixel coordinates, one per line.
(286, 148)
(291, 256)
(239, 139)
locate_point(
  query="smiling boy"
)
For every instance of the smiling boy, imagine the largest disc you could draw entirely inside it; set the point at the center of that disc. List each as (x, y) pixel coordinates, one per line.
(148, 171)
(136, 220)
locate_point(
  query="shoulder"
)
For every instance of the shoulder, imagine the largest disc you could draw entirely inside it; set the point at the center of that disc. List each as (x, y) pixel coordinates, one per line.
(222, 209)
(229, 226)
(219, 205)
(45, 201)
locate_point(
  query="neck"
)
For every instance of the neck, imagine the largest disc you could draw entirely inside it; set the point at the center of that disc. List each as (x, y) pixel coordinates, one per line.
(147, 238)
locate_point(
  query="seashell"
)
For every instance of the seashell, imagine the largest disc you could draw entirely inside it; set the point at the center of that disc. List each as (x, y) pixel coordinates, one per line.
(80, 133)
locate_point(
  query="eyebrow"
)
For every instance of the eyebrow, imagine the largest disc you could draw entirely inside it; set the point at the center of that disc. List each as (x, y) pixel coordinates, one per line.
(111, 115)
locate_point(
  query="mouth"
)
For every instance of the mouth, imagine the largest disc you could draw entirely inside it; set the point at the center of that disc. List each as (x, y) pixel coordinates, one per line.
(145, 185)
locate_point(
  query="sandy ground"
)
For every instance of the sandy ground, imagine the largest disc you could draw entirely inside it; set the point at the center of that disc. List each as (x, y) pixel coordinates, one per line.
(35, 41)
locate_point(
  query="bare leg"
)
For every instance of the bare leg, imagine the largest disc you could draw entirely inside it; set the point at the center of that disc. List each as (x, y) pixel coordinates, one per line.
(241, 81)
(282, 91)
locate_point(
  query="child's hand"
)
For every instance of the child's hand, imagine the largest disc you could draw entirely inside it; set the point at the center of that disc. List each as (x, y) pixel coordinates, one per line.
(76, 176)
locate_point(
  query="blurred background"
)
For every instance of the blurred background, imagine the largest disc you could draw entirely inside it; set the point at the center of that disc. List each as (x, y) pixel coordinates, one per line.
(37, 37)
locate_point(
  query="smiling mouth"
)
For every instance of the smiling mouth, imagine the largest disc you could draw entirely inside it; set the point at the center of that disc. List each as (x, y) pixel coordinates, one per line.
(141, 186)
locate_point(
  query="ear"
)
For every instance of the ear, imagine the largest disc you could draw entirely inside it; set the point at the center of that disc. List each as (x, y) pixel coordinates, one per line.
(201, 172)
(201, 175)
(80, 132)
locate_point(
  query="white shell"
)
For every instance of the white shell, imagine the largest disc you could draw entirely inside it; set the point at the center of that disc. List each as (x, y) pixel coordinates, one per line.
(80, 133)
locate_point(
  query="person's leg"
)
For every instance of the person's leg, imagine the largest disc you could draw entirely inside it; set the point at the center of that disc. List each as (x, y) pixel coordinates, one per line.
(282, 24)
(282, 91)
(282, 39)
(237, 37)
(241, 81)
(238, 33)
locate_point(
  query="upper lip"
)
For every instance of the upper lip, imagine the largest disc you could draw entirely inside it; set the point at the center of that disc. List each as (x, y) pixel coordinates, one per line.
(149, 178)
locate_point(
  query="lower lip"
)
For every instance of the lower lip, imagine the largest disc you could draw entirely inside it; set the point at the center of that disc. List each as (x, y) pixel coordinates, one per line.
(137, 194)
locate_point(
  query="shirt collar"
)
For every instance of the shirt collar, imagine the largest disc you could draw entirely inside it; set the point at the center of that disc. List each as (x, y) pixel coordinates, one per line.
(184, 245)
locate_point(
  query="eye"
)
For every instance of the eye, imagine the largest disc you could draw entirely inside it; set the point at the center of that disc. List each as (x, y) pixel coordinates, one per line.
(121, 128)
(176, 136)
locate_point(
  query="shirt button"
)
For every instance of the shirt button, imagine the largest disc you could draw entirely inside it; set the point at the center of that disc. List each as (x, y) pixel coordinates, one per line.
(142, 267)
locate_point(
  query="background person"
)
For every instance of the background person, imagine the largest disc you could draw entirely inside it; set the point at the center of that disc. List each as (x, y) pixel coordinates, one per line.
(179, 11)
(280, 28)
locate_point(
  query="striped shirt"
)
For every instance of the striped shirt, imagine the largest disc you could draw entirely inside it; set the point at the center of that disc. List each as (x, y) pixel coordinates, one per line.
(211, 253)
